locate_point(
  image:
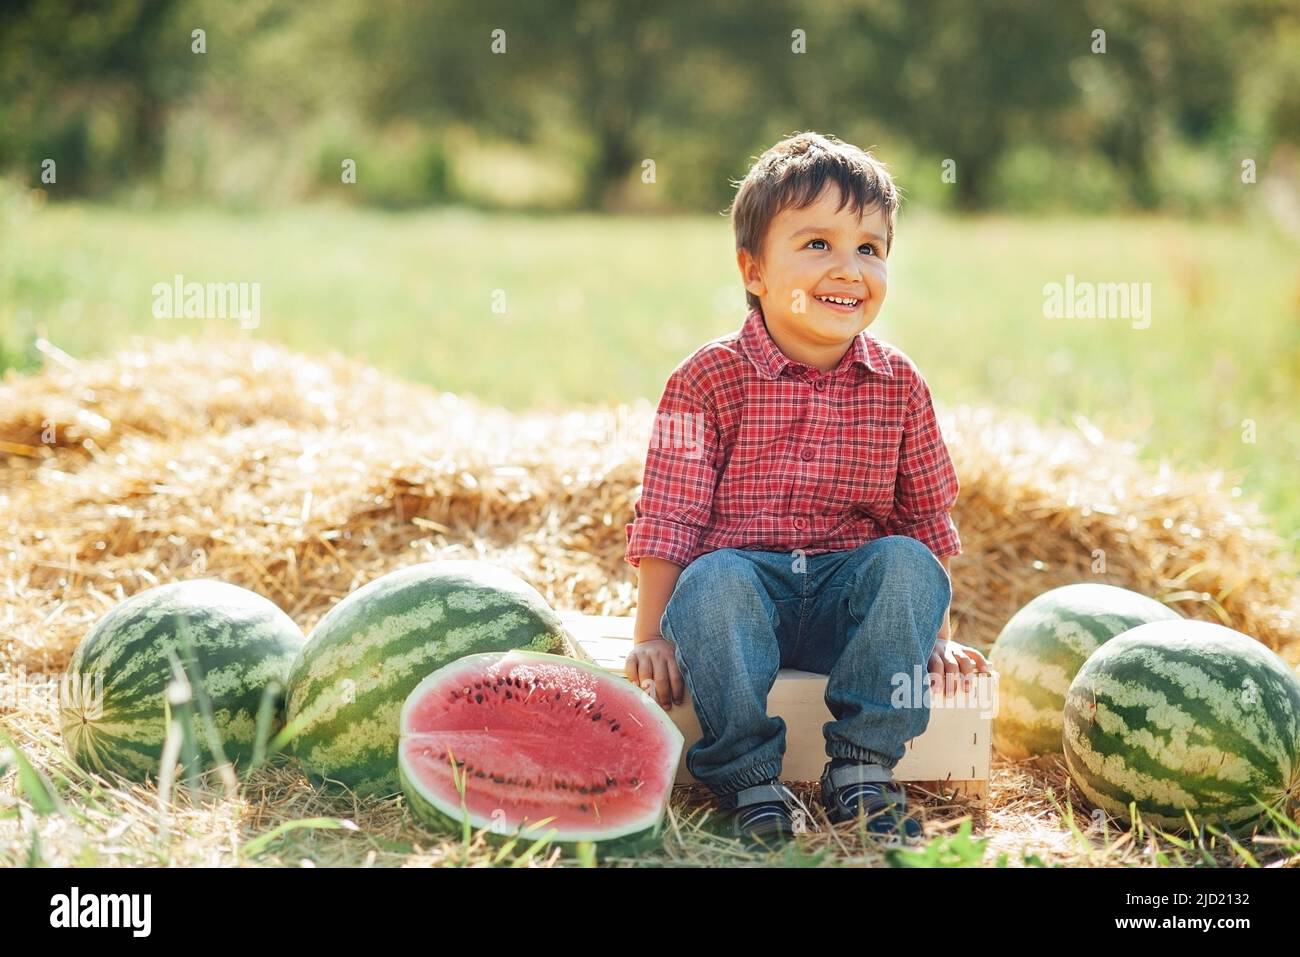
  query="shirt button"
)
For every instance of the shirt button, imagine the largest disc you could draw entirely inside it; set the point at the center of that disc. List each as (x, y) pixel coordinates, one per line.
(801, 523)
(807, 454)
(819, 385)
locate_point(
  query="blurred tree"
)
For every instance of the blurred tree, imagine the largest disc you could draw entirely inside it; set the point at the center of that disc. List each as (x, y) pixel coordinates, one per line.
(89, 86)
(617, 70)
(963, 81)
(285, 89)
(1166, 63)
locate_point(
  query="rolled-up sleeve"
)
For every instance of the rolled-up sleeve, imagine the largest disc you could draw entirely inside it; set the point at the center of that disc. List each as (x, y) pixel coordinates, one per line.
(926, 488)
(676, 498)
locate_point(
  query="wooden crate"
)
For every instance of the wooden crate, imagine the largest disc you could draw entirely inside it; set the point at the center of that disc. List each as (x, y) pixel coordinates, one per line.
(951, 756)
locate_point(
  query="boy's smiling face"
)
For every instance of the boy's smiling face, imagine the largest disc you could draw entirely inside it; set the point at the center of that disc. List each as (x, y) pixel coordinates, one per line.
(816, 252)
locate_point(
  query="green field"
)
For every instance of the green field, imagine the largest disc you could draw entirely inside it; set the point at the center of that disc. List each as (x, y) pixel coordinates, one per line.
(600, 308)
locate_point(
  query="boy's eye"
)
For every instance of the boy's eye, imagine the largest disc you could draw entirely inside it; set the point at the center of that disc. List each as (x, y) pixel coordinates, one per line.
(867, 246)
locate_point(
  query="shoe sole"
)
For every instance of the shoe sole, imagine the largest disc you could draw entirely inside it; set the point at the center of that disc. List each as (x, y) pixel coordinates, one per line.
(781, 832)
(836, 815)
(890, 829)
(767, 842)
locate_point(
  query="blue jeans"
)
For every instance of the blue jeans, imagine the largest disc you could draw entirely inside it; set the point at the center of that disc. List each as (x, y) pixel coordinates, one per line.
(863, 616)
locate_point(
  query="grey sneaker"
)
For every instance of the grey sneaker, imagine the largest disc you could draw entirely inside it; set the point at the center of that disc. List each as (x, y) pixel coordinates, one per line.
(869, 790)
(762, 814)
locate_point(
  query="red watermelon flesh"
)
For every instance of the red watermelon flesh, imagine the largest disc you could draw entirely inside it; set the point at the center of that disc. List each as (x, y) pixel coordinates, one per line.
(537, 736)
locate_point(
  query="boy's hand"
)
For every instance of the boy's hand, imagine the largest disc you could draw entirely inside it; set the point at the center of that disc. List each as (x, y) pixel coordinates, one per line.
(652, 666)
(950, 664)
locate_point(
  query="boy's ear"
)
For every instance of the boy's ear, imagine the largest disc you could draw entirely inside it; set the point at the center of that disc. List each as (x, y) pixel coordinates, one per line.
(750, 272)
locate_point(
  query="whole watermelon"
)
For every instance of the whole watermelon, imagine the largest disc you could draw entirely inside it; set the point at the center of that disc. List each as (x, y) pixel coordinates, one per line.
(1042, 648)
(1185, 715)
(113, 703)
(368, 653)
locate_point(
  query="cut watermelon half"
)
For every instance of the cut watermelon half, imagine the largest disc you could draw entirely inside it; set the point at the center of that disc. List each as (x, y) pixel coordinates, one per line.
(537, 736)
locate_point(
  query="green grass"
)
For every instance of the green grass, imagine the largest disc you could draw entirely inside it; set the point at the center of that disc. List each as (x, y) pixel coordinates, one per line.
(55, 813)
(601, 308)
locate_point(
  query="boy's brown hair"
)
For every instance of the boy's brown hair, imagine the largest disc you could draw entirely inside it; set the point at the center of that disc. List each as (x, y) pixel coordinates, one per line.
(794, 172)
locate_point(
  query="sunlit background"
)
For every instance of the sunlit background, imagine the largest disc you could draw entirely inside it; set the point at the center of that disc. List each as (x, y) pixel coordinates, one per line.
(537, 212)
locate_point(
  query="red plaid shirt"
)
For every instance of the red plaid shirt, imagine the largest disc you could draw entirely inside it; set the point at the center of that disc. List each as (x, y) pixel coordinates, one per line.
(751, 449)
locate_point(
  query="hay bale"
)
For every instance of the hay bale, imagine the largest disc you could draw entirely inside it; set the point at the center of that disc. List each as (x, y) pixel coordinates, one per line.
(303, 478)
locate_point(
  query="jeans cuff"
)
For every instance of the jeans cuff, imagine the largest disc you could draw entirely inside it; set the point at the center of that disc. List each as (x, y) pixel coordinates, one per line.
(727, 788)
(851, 752)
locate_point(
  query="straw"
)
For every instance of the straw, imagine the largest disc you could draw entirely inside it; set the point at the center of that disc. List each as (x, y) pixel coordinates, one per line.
(303, 478)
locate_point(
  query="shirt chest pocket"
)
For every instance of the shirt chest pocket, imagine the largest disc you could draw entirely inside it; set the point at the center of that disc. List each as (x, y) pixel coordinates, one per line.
(863, 468)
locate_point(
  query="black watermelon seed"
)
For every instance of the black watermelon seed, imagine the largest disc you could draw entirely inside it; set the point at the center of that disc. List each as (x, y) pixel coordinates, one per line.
(583, 789)
(582, 807)
(509, 695)
(633, 781)
(479, 698)
(557, 696)
(478, 684)
(479, 774)
(500, 679)
(614, 726)
(596, 716)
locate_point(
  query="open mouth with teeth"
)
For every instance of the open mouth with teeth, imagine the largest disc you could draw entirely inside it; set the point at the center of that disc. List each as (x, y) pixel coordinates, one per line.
(839, 303)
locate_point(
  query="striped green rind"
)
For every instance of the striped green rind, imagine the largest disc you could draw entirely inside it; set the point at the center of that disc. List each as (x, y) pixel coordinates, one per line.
(368, 653)
(1042, 648)
(656, 742)
(113, 703)
(1186, 715)
(425, 811)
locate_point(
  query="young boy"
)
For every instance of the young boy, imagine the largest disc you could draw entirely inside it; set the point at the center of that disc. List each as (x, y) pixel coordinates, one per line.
(798, 518)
